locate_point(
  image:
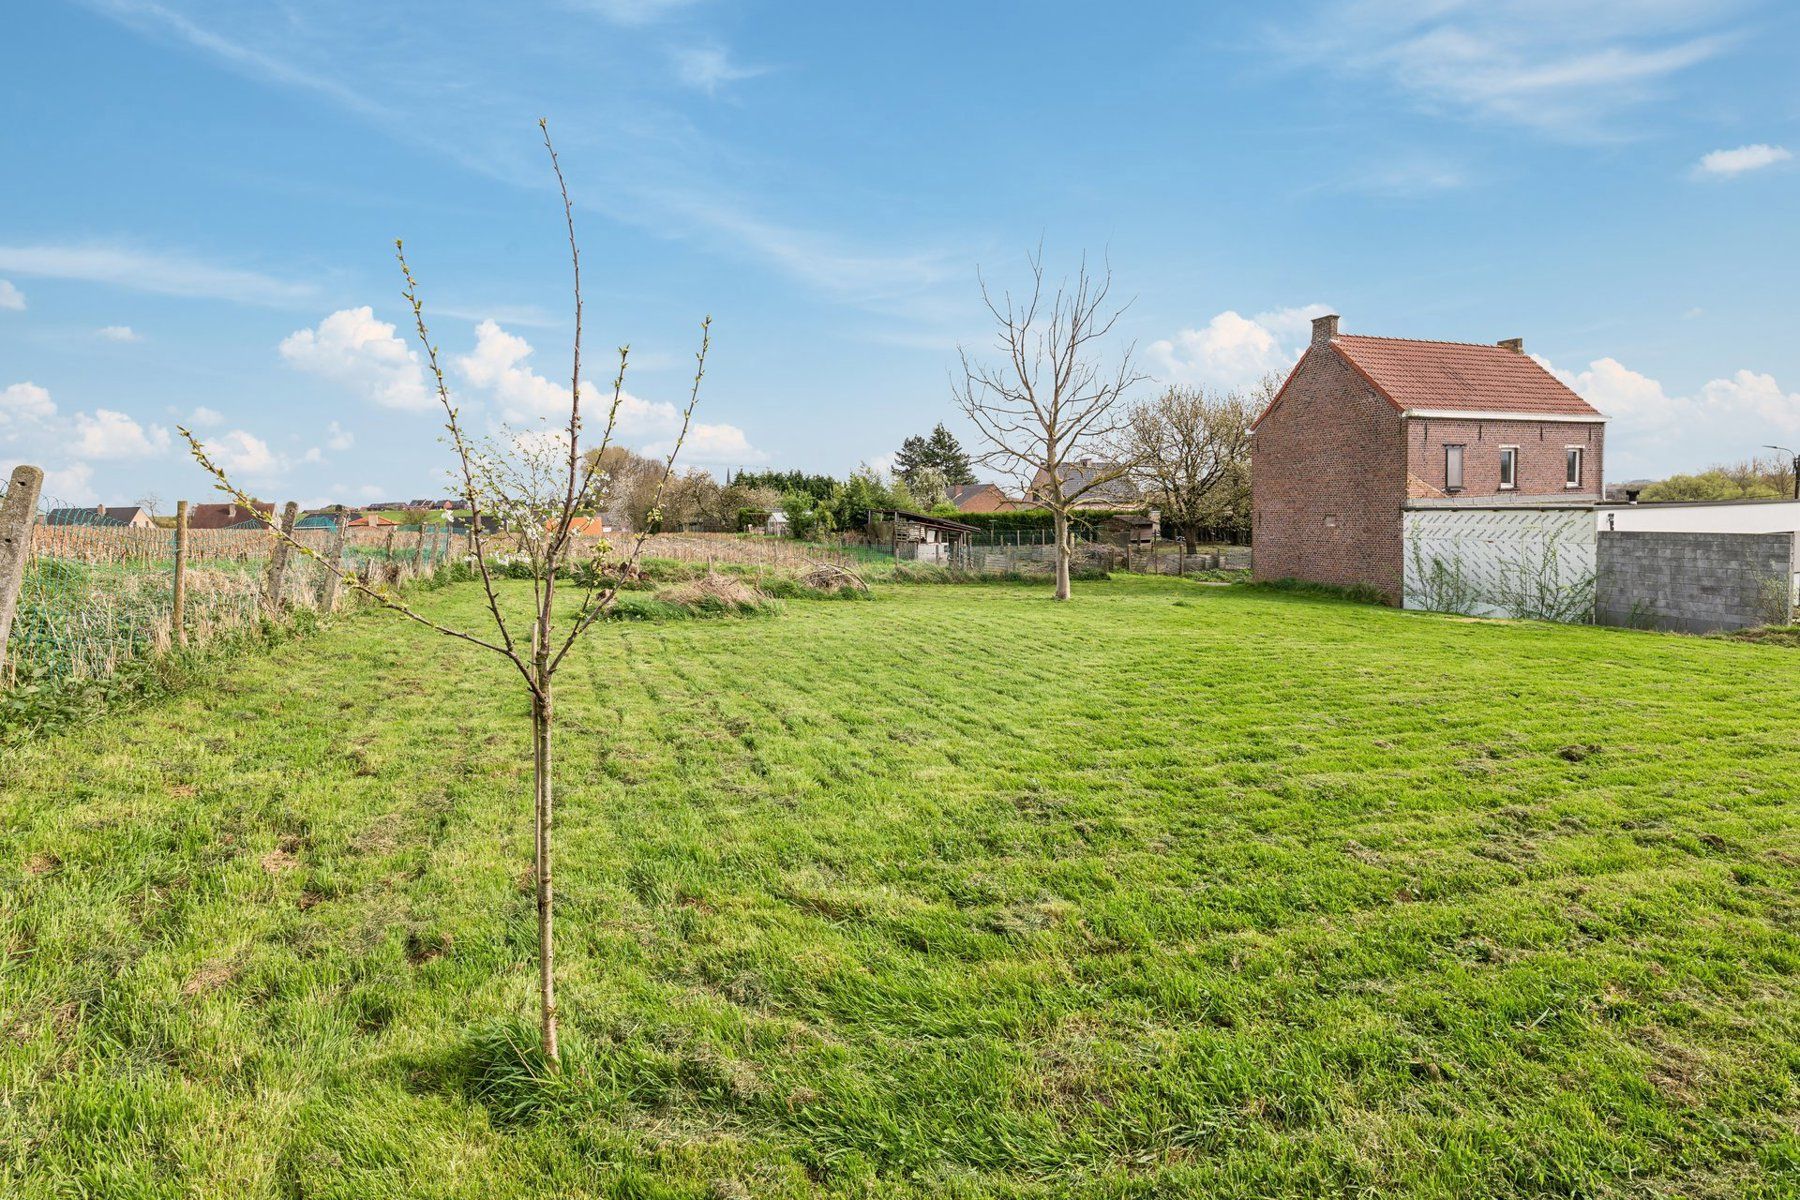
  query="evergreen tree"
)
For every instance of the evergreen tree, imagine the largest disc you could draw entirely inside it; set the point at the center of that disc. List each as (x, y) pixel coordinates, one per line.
(940, 451)
(947, 456)
(914, 453)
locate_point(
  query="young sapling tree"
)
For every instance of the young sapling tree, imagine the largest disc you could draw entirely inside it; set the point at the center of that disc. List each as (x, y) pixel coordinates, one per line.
(537, 483)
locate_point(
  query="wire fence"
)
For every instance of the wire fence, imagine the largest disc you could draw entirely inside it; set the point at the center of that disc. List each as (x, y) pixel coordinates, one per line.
(95, 595)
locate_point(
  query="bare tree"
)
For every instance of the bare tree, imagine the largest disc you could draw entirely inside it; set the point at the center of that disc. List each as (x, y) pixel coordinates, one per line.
(1192, 450)
(537, 482)
(1051, 413)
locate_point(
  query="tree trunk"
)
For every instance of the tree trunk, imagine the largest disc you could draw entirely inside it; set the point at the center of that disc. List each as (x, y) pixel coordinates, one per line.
(1063, 552)
(1188, 537)
(541, 718)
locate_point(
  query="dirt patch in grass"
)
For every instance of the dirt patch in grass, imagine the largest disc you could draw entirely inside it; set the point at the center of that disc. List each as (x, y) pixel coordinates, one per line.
(284, 857)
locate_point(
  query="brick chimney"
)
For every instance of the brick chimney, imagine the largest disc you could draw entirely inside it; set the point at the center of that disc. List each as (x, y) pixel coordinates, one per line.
(1516, 345)
(1324, 329)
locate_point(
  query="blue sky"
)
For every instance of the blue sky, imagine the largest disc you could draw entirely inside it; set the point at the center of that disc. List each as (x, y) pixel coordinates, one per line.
(203, 197)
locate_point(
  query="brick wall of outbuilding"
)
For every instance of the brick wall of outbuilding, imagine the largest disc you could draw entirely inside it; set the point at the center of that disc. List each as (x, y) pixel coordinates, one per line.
(1328, 479)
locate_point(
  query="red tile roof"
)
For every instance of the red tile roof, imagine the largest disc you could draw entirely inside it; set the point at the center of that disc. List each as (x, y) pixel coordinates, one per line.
(1459, 376)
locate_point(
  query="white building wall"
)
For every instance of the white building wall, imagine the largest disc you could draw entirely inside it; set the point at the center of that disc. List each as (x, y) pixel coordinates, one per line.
(1501, 562)
(1759, 516)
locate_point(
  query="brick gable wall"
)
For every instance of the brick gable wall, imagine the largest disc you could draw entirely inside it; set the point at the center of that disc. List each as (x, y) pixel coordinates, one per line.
(1540, 444)
(1328, 480)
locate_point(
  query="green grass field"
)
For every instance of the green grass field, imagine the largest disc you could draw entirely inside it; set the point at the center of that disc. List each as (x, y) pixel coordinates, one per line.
(1173, 891)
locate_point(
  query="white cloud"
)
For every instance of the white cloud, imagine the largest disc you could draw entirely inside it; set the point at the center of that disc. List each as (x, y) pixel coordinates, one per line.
(25, 404)
(107, 433)
(1235, 351)
(1727, 163)
(240, 452)
(339, 438)
(354, 350)
(11, 297)
(708, 68)
(72, 484)
(118, 333)
(499, 366)
(163, 274)
(204, 417)
(712, 445)
(1653, 432)
(1568, 69)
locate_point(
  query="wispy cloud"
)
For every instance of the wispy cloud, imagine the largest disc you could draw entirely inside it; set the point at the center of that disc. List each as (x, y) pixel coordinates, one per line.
(815, 258)
(633, 12)
(11, 297)
(1400, 178)
(672, 187)
(1727, 163)
(158, 19)
(708, 68)
(1573, 70)
(118, 333)
(150, 271)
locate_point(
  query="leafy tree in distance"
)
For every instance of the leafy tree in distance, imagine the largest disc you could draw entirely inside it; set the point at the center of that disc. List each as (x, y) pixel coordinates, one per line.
(1192, 450)
(940, 451)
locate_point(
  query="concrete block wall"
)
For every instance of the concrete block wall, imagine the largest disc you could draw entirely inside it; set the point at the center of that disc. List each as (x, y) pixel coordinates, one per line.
(1693, 582)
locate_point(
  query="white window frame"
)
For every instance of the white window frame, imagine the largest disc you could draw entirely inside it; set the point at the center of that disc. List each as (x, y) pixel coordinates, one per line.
(1462, 466)
(1580, 463)
(1511, 485)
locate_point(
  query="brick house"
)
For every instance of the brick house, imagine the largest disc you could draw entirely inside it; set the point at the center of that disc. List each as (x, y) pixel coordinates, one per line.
(227, 516)
(980, 498)
(1366, 425)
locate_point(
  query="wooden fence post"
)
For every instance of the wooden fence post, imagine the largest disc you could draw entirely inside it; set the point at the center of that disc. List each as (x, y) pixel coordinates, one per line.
(17, 516)
(178, 614)
(334, 567)
(278, 558)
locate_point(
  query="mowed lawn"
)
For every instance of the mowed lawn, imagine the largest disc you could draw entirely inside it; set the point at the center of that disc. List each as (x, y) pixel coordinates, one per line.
(1171, 891)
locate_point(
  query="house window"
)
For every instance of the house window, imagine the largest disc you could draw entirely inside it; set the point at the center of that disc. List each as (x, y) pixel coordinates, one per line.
(1453, 468)
(1509, 468)
(1572, 466)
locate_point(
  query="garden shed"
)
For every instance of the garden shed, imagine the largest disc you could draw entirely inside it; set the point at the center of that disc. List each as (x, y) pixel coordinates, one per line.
(919, 537)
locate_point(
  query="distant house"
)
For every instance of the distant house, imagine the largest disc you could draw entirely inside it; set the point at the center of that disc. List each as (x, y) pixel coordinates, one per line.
(1367, 429)
(227, 516)
(1119, 492)
(980, 498)
(586, 526)
(461, 524)
(124, 516)
(373, 521)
